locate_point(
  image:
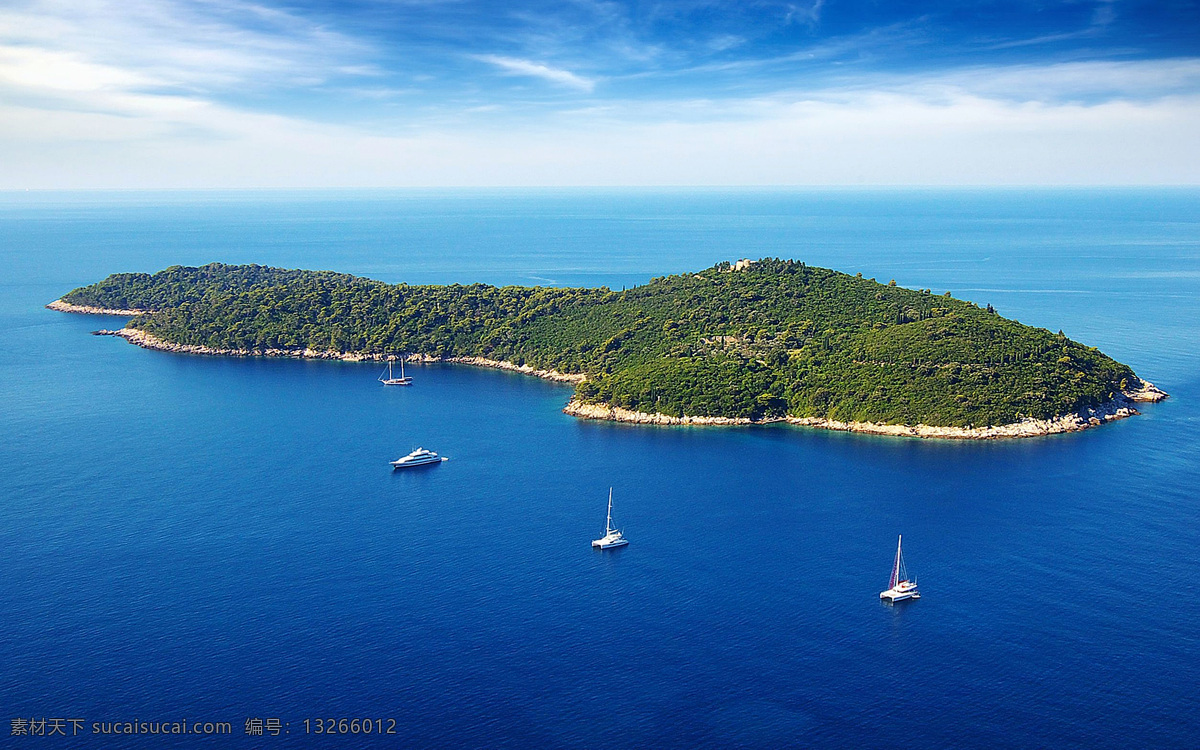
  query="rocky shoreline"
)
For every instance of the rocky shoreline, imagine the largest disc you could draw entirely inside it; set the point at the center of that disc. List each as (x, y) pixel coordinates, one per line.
(149, 341)
(1120, 408)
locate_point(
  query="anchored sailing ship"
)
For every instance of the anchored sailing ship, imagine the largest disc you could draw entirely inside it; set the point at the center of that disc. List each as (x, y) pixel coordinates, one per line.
(390, 380)
(899, 586)
(612, 537)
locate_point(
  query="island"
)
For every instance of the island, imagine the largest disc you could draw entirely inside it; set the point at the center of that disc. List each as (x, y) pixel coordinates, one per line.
(739, 343)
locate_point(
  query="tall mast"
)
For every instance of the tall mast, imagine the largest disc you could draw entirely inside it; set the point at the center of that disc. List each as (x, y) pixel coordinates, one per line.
(608, 523)
(896, 565)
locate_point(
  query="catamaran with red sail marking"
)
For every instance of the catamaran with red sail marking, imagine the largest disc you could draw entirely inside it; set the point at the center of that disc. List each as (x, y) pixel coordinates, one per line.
(900, 587)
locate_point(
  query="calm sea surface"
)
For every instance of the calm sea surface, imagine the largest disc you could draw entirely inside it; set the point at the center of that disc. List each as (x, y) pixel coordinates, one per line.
(210, 539)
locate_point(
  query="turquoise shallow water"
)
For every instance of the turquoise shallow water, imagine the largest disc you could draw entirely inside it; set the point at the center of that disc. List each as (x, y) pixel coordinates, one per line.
(217, 540)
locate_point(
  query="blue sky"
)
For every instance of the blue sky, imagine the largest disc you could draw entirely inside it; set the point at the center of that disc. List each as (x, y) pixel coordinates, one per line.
(227, 93)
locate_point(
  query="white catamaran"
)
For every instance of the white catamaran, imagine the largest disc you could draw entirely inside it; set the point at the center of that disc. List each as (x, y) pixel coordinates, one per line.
(612, 537)
(390, 380)
(899, 587)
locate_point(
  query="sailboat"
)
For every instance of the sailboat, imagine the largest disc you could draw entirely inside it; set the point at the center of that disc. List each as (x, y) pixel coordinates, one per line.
(612, 537)
(899, 587)
(390, 380)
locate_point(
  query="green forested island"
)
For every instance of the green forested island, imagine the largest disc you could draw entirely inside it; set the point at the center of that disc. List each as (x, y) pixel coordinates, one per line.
(761, 340)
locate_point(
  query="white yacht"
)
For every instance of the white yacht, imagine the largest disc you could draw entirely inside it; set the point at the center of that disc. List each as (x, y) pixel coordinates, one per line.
(419, 457)
(612, 537)
(390, 380)
(899, 586)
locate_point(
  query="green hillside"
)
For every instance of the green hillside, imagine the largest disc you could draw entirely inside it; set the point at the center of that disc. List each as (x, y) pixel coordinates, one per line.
(777, 338)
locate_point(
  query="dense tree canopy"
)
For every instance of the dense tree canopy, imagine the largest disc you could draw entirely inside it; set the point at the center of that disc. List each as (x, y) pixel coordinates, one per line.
(776, 338)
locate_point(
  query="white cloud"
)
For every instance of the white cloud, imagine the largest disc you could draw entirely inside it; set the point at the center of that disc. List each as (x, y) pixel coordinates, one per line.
(1134, 79)
(537, 70)
(881, 138)
(48, 70)
(94, 94)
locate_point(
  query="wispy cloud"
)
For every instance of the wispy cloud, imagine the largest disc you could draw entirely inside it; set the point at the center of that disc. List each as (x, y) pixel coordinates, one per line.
(517, 66)
(1102, 17)
(808, 14)
(172, 44)
(877, 41)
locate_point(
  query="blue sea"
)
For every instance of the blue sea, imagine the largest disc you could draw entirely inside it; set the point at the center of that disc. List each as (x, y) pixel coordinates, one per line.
(222, 540)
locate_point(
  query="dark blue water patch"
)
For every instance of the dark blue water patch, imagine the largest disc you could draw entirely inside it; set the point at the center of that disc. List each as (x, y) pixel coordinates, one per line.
(220, 539)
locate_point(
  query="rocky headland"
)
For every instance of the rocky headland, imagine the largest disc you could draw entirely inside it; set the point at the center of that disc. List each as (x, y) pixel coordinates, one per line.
(1119, 409)
(67, 307)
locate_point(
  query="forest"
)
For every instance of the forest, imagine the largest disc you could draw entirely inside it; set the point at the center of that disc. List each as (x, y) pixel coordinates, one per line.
(772, 339)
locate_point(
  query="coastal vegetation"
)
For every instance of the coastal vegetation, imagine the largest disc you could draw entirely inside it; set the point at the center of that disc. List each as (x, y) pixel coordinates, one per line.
(763, 340)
